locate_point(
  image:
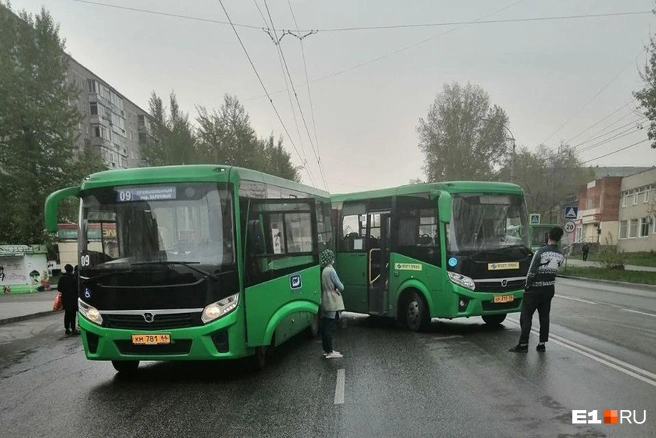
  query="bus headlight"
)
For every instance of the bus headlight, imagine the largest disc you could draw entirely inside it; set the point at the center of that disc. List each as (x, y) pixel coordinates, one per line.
(462, 280)
(220, 308)
(90, 312)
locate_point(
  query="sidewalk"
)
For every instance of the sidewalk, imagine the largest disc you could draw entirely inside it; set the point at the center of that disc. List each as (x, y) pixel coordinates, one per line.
(19, 307)
(590, 264)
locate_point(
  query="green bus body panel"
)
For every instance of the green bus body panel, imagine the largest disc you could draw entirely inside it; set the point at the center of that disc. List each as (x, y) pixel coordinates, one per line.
(51, 206)
(352, 271)
(270, 302)
(428, 279)
(288, 321)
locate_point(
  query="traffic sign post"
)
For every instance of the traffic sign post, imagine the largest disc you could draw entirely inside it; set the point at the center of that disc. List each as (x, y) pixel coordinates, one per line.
(534, 219)
(570, 227)
(571, 212)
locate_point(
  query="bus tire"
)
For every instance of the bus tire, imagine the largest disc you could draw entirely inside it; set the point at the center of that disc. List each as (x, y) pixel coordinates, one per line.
(258, 360)
(494, 319)
(313, 330)
(125, 367)
(415, 312)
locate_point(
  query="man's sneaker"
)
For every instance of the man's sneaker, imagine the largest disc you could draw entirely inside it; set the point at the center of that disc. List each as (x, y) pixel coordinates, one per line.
(519, 348)
(541, 348)
(68, 332)
(75, 332)
(334, 355)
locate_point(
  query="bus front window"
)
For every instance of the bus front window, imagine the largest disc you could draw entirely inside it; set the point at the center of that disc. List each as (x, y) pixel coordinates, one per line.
(189, 223)
(487, 222)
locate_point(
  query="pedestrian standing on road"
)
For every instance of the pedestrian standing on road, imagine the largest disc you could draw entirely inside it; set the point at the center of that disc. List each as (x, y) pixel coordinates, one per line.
(67, 285)
(331, 302)
(585, 250)
(540, 290)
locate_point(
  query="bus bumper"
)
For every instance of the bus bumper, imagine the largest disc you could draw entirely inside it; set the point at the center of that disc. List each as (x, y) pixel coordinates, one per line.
(478, 303)
(221, 339)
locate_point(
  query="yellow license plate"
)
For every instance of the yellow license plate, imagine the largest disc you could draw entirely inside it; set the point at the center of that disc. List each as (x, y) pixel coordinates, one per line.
(151, 339)
(503, 299)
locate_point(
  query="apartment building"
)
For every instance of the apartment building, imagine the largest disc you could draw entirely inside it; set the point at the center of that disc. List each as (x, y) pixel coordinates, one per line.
(637, 212)
(111, 123)
(598, 214)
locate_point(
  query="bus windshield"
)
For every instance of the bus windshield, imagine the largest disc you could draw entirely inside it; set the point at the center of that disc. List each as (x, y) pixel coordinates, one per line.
(185, 223)
(487, 222)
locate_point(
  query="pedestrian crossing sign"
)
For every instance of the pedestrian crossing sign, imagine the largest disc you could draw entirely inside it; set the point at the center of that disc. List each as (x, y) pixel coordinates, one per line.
(571, 212)
(535, 219)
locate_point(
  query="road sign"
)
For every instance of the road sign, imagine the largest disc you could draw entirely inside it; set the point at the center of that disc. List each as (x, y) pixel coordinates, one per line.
(571, 212)
(570, 227)
(534, 219)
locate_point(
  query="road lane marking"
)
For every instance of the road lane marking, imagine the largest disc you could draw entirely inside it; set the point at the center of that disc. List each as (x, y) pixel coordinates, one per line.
(600, 357)
(339, 386)
(637, 311)
(575, 299)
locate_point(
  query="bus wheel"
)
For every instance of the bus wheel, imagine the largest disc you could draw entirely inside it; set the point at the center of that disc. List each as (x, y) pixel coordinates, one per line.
(494, 319)
(258, 360)
(125, 366)
(313, 330)
(416, 312)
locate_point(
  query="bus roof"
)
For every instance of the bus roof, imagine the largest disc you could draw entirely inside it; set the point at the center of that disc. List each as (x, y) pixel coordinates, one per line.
(450, 187)
(189, 173)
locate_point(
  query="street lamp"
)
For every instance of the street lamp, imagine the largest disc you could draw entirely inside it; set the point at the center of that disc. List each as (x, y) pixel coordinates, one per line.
(512, 157)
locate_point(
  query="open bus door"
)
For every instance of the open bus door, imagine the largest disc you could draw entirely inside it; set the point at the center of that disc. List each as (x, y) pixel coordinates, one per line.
(378, 256)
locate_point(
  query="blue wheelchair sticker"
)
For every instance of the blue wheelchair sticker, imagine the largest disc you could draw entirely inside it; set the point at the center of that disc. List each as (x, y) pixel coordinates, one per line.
(87, 293)
(295, 281)
(453, 262)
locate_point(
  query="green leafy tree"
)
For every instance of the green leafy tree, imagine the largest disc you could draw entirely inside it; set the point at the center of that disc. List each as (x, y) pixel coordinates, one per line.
(174, 139)
(226, 136)
(549, 177)
(647, 95)
(463, 136)
(37, 123)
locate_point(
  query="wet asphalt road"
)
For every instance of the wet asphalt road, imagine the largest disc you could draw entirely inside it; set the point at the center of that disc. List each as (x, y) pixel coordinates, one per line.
(458, 380)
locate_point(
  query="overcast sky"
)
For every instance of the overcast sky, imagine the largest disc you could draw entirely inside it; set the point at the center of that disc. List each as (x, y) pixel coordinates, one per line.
(545, 74)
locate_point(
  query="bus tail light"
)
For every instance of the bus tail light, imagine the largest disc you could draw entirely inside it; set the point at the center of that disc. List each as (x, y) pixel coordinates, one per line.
(90, 312)
(220, 308)
(462, 280)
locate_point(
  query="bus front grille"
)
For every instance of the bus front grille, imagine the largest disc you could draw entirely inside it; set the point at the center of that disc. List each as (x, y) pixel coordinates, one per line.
(179, 346)
(499, 286)
(160, 321)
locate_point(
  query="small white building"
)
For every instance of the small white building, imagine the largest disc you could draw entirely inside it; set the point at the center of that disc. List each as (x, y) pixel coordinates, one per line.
(637, 212)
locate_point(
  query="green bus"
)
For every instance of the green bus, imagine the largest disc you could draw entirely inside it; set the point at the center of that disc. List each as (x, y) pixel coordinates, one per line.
(195, 262)
(435, 250)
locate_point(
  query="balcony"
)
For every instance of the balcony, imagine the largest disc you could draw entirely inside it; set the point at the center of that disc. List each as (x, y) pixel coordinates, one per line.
(590, 215)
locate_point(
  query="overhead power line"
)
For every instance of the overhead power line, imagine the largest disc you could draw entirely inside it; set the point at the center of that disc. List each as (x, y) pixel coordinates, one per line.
(379, 27)
(259, 78)
(622, 134)
(632, 124)
(598, 122)
(616, 151)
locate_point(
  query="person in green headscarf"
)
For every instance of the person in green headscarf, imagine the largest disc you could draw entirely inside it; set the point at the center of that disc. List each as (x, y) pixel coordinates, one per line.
(331, 302)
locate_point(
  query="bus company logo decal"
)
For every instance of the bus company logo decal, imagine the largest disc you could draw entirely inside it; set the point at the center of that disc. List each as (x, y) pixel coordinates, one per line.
(502, 266)
(295, 281)
(148, 317)
(407, 266)
(611, 416)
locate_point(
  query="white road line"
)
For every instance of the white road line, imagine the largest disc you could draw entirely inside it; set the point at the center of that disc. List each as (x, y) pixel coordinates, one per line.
(339, 386)
(575, 299)
(602, 358)
(637, 311)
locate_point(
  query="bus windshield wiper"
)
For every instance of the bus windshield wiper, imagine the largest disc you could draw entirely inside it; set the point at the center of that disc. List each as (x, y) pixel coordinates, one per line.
(95, 278)
(185, 264)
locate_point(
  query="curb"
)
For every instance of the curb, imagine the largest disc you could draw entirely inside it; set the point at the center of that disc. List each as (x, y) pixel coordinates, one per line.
(616, 283)
(26, 317)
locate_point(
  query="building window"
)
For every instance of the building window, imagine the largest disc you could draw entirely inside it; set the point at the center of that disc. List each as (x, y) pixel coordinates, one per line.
(93, 86)
(646, 200)
(635, 198)
(633, 229)
(93, 108)
(589, 203)
(644, 226)
(624, 200)
(624, 229)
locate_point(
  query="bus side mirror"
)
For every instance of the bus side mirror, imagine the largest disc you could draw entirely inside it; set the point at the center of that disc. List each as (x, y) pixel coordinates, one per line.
(52, 206)
(444, 207)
